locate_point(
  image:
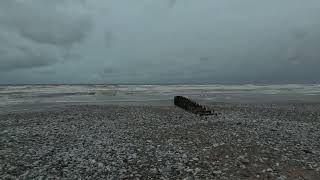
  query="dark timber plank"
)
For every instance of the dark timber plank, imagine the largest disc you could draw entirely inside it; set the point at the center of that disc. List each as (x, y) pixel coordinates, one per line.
(192, 106)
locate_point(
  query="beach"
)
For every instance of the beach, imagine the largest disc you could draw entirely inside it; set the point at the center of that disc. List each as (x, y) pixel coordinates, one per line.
(245, 141)
(159, 90)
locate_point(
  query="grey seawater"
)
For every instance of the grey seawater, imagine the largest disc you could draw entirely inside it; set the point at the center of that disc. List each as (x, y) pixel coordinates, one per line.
(36, 97)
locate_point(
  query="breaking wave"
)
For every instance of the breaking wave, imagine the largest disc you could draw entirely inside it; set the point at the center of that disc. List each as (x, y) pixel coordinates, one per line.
(104, 93)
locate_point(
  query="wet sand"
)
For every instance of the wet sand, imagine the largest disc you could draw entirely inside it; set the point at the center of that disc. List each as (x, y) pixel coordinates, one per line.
(247, 141)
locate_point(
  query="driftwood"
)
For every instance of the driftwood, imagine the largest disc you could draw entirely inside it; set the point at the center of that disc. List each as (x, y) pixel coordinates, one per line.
(192, 106)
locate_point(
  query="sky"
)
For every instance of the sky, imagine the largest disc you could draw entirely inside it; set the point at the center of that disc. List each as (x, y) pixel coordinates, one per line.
(159, 41)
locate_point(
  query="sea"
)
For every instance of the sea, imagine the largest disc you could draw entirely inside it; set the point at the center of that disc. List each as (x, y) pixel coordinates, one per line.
(26, 97)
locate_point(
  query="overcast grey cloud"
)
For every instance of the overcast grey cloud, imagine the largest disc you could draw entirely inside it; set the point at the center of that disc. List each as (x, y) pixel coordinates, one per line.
(39, 33)
(159, 41)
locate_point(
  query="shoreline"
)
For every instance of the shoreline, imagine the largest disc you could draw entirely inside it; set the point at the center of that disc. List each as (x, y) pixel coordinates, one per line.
(49, 106)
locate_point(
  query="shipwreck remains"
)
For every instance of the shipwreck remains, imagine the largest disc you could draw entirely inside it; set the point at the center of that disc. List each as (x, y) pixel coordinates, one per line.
(192, 106)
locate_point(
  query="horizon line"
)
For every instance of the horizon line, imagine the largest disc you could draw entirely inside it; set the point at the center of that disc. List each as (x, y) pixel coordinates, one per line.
(115, 84)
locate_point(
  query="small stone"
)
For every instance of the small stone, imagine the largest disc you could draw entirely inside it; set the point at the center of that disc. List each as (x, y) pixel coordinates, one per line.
(123, 176)
(217, 172)
(184, 156)
(195, 159)
(167, 169)
(215, 145)
(100, 165)
(281, 177)
(310, 167)
(180, 166)
(189, 170)
(153, 170)
(245, 161)
(36, 163)
(134, 156)
(4, 132)
(269, 170)
(40, 177)
(122, 171)
(243, 166)
(24, 174)
(255, 165)
(307, 151)
(187, 178)
(108, 168)
(197, 170)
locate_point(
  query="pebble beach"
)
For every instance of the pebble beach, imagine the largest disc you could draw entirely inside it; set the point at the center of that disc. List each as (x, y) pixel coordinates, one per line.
(246, 141)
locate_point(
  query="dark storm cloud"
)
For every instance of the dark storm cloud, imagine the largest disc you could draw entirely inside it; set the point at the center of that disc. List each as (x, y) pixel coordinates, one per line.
(172, 3)
(39, 33)
(108, 36)
(204, 59)
(58, 33)
(109, 70)
(300, 34)
(304, 48)
(18, 53)
(45, 21)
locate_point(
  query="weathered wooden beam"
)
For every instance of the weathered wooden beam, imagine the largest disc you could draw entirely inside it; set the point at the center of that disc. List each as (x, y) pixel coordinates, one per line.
(192, 106)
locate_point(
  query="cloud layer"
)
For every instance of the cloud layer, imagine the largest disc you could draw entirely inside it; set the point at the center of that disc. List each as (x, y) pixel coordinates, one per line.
(153, 41)
(38, 33)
